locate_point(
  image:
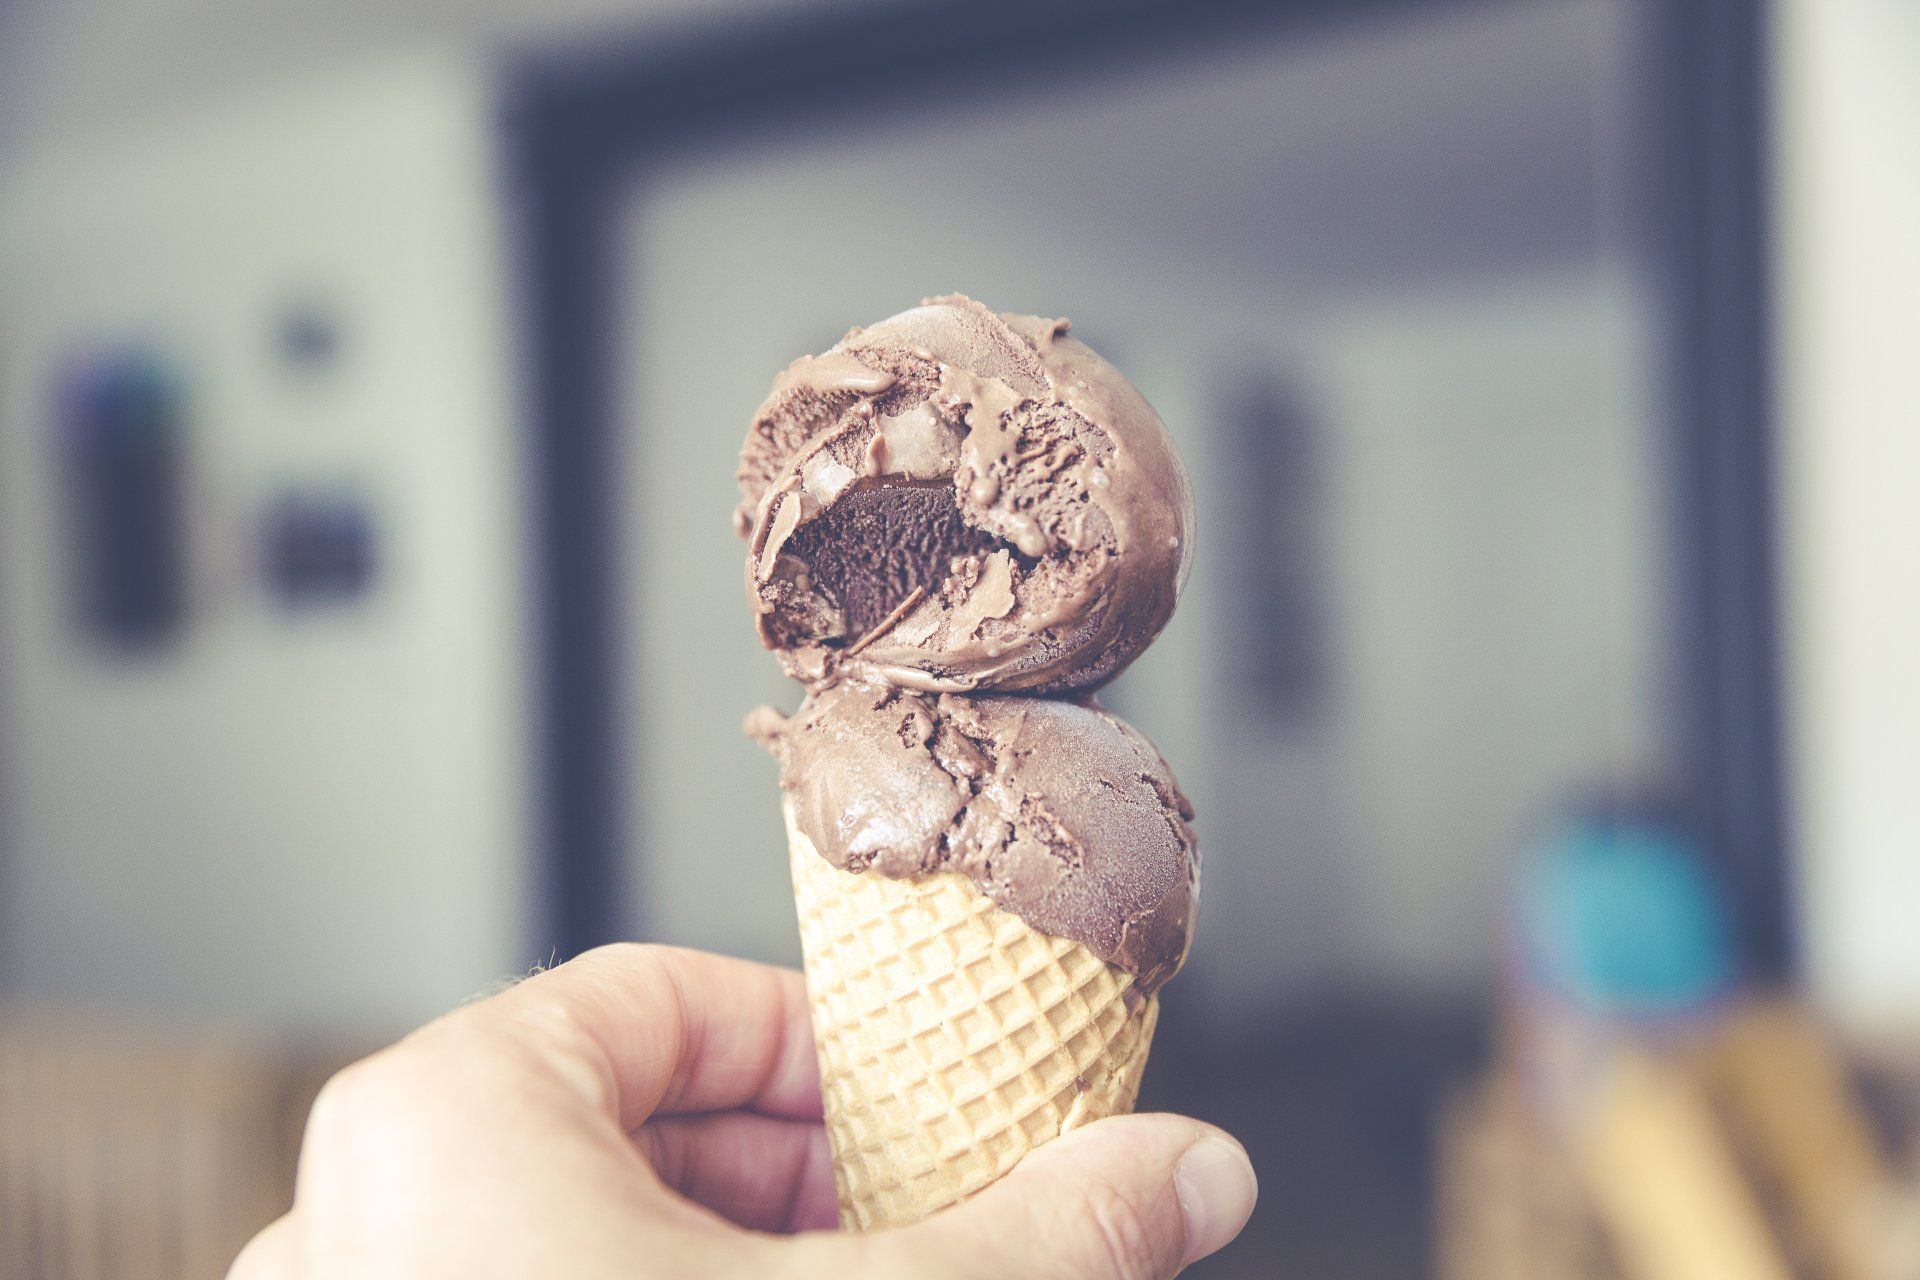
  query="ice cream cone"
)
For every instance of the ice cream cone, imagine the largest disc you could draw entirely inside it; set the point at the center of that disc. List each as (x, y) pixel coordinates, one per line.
(953, 1036)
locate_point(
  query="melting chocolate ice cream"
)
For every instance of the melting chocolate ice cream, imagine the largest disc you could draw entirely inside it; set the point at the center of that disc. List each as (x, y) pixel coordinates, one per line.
(953, 500)
(959, 523)
(1059, 811)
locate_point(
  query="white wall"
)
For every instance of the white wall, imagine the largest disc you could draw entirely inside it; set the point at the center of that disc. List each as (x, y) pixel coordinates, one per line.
(1499, 579)
(71, 67)
(286, 821)
(1847, 112)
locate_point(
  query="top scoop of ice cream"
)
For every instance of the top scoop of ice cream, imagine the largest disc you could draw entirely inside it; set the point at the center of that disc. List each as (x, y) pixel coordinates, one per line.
(1058, 811)
(953, 500)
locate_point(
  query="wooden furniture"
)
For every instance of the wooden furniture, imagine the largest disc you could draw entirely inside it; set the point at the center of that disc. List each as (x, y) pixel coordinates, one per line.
(1743, 1149)
(125, 1154)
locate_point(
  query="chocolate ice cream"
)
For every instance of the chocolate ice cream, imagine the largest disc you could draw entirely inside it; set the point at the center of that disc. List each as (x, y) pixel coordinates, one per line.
(955, 500)
(1058, 811)
(959, 523)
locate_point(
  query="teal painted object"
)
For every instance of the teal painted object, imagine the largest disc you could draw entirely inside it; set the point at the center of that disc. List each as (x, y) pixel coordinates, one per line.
(1623, 916)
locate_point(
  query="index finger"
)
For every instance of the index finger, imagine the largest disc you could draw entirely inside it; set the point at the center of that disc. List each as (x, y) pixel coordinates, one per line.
(664, 1031)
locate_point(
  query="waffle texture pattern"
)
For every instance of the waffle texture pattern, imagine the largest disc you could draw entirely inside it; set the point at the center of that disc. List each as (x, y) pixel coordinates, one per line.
(953, 1037)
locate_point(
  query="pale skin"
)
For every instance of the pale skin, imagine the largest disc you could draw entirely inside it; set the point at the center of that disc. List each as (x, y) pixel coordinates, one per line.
(648, 1111)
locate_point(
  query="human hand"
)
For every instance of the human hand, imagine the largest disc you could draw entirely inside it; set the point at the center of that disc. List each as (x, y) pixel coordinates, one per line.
(648, 1111)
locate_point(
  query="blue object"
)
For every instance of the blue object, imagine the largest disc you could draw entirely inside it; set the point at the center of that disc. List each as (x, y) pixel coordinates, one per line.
(322, 547)
(1622, 915)
(121, 424)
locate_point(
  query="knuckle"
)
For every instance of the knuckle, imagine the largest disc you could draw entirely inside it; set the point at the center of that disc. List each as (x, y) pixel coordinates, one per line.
(549, 1039)
(1128, 1245)
(372, 1093)
(621, 955)
(343, 1101)
(382, 1130)
(539, 1019)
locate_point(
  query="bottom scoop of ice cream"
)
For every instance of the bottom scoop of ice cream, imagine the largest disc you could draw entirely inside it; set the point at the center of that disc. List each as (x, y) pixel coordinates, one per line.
(1059, 811)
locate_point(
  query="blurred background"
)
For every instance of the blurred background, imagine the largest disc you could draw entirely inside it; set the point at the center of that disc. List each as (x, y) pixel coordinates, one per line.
(370, 623)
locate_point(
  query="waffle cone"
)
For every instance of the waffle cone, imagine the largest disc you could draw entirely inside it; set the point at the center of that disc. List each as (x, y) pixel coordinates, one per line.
(953, 1036)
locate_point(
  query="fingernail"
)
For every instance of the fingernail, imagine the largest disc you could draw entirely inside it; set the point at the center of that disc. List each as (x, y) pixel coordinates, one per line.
(1216, 1187)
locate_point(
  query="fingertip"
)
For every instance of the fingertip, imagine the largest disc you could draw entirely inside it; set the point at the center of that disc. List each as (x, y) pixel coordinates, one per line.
(1145, 1139)
(1217, 1189)
(1128, 1196)
(816, 1202)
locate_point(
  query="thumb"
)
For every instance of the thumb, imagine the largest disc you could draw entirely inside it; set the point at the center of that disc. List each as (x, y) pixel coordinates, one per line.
(1128, 1198)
